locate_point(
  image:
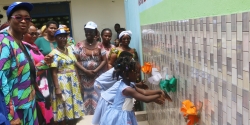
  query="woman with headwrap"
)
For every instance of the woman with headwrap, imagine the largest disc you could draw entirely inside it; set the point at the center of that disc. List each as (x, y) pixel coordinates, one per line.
(124, 38)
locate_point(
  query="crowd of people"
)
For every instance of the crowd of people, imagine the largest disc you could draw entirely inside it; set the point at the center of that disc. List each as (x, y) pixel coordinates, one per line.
(47, 78)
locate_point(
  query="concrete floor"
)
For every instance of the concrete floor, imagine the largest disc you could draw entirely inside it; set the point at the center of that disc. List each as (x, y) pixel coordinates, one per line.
(87, 121)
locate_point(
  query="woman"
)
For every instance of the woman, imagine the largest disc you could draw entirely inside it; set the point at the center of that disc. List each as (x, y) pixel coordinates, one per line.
(70, 41)
(46, 44)
(66, 99)
(93, 59)
(44, 110)
(124, 38)
(18, 72)
(106, 35)
(42, 31)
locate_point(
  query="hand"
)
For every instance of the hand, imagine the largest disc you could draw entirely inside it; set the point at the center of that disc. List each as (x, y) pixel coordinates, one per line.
(15, 122)
(48, 59)
(166, 96)
(95, 71)
(58, 92)
(90, 73)
(160, 100)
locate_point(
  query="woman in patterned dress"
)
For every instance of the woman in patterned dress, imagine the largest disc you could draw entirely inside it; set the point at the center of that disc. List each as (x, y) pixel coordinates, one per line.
(124, 38)
(93, 59)
(17, 69)
(66, 98)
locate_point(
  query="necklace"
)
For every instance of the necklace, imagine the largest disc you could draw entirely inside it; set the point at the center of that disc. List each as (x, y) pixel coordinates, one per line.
(64, 51)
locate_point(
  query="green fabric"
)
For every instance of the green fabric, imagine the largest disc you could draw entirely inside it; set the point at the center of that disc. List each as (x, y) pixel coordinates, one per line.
(171, 10)
(45, 48)
(44, 45)
(168, 85)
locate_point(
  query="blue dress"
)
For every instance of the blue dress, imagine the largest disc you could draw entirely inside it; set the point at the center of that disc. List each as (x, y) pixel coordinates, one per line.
(120, 112)
(106, 99)
(104, 81)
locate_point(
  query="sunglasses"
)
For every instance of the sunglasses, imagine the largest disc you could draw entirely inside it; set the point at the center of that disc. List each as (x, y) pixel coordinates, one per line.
(20, 18)
(34, 33)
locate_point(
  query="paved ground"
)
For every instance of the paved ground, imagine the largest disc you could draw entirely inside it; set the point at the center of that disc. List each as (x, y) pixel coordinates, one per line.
(87, 121)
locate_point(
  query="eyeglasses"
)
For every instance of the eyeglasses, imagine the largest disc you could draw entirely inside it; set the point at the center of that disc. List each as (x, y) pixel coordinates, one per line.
(33, 33)
(20, 18)
(62, 38)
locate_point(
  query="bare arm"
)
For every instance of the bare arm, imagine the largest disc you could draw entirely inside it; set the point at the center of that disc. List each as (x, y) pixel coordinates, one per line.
(55, 77)
(138, 96)
(78, 65)
(112, 60)
(148, 92)
(102, 64)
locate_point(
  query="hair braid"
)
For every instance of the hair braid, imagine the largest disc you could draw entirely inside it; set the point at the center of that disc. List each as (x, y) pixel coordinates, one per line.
(123, 65)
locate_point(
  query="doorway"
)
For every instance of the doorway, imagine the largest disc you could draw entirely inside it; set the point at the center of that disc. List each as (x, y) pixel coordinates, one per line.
(56, 11)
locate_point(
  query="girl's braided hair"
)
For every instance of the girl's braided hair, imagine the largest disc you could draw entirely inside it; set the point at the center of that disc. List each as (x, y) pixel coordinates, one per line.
(123, 65)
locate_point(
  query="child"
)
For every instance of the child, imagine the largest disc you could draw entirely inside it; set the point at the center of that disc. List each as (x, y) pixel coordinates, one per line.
(116, 43)
(106, 80)
(120, 112)
(106, 87)
(66, 98)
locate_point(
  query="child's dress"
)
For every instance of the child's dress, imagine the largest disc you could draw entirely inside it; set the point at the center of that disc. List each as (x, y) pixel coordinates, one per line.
(106, 99)
(120, 113)
(70, 106)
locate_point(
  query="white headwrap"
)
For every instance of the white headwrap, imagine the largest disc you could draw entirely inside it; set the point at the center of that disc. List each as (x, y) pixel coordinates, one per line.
(3, 30)
(125, 33)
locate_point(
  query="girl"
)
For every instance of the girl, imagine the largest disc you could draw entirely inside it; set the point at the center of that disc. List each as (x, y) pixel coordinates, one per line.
(66, 99)
(120, 113)
(106, 90)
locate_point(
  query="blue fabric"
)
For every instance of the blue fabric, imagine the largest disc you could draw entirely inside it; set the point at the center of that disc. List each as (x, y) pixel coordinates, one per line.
(104, 81)
(27, 5)
(115, 115)
(3, 111)
(101, 107)
(106, 99)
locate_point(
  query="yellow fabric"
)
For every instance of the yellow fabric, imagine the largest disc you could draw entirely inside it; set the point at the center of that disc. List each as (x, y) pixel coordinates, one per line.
(72, 107)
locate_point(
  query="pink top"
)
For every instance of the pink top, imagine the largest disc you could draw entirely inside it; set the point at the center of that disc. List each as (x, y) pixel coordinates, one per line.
(35, 52)
(107, 49)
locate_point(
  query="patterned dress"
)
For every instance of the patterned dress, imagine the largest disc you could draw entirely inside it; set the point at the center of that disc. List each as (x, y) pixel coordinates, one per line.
(108, 50)
(17, 80)
(118, 52)
(90, 59)
(70, 106)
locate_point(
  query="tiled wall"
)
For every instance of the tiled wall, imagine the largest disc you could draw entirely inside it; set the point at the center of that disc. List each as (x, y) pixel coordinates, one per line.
(210, 57)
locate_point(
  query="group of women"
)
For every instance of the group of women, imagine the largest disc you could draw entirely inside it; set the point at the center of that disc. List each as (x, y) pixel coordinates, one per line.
(44, 80)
